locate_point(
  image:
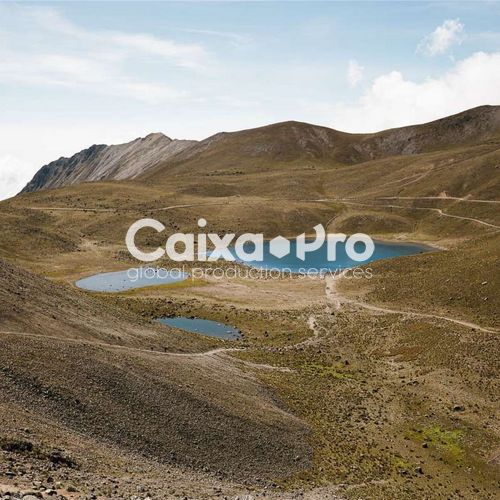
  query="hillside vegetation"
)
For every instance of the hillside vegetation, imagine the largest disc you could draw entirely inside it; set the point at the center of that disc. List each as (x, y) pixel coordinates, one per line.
(340, 388)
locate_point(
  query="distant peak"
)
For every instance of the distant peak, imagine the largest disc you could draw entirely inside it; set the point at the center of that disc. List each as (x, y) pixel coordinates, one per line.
(156, 136)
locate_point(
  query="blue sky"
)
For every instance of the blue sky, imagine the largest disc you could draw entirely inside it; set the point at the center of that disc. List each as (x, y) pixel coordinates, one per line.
(73, 74)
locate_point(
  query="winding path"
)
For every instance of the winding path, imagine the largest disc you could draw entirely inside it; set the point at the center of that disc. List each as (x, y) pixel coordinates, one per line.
(438, 210)
(310, 341)
(96, 209)
(333, 295)
(341, 200)
(453, 198)
(222, 351)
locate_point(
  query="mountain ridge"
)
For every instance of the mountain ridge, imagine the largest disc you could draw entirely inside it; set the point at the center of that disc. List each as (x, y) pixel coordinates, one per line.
(103, 162)
(156, 156)
(300, 143)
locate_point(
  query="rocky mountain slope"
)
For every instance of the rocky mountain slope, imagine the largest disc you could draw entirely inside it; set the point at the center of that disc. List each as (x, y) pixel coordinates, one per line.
(157, 156)
(101, 162)
(106, 374)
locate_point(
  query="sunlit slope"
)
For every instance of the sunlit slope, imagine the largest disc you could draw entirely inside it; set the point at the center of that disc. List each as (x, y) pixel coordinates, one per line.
(104, 373)
(102, 162)
(292, 146)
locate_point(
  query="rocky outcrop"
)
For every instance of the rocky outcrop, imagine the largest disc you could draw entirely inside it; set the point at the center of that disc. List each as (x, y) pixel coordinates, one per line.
(101, 162)
(474, 125)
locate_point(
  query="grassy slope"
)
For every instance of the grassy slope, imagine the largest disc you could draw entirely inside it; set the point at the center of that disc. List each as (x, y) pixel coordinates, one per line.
(103, 372)
(375, 394)
(461, 283)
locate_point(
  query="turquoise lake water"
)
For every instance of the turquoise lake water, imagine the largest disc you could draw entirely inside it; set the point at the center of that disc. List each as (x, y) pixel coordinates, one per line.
(203, 326)
(317, 261)
(131, 278)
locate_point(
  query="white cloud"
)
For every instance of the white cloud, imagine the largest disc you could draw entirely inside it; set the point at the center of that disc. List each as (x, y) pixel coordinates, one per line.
(354, 72)
(85, 73)
(56, 52)
(442, 38)
(185, 55)
(181, 54)
(237, 39)
(14, 174)
(394, 101)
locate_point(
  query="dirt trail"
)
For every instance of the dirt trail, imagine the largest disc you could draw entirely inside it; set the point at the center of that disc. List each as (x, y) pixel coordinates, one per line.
(223, 351)
(438, 210)
(347, 202)
(479, 221)
(90, 342)
(78, 209)
(71, 209)
(220, 351)
(334, 296)
(314, 339)
(171, 207)
(454, 198)
(258, 366)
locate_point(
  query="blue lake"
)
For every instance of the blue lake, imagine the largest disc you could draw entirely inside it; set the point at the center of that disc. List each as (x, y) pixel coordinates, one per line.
(131, 278)
(317, 260)
(202, 326)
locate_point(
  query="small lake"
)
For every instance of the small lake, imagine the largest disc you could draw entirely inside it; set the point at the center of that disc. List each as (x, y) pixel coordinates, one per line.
(203, 327)
(121, 281)
(318, 260)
